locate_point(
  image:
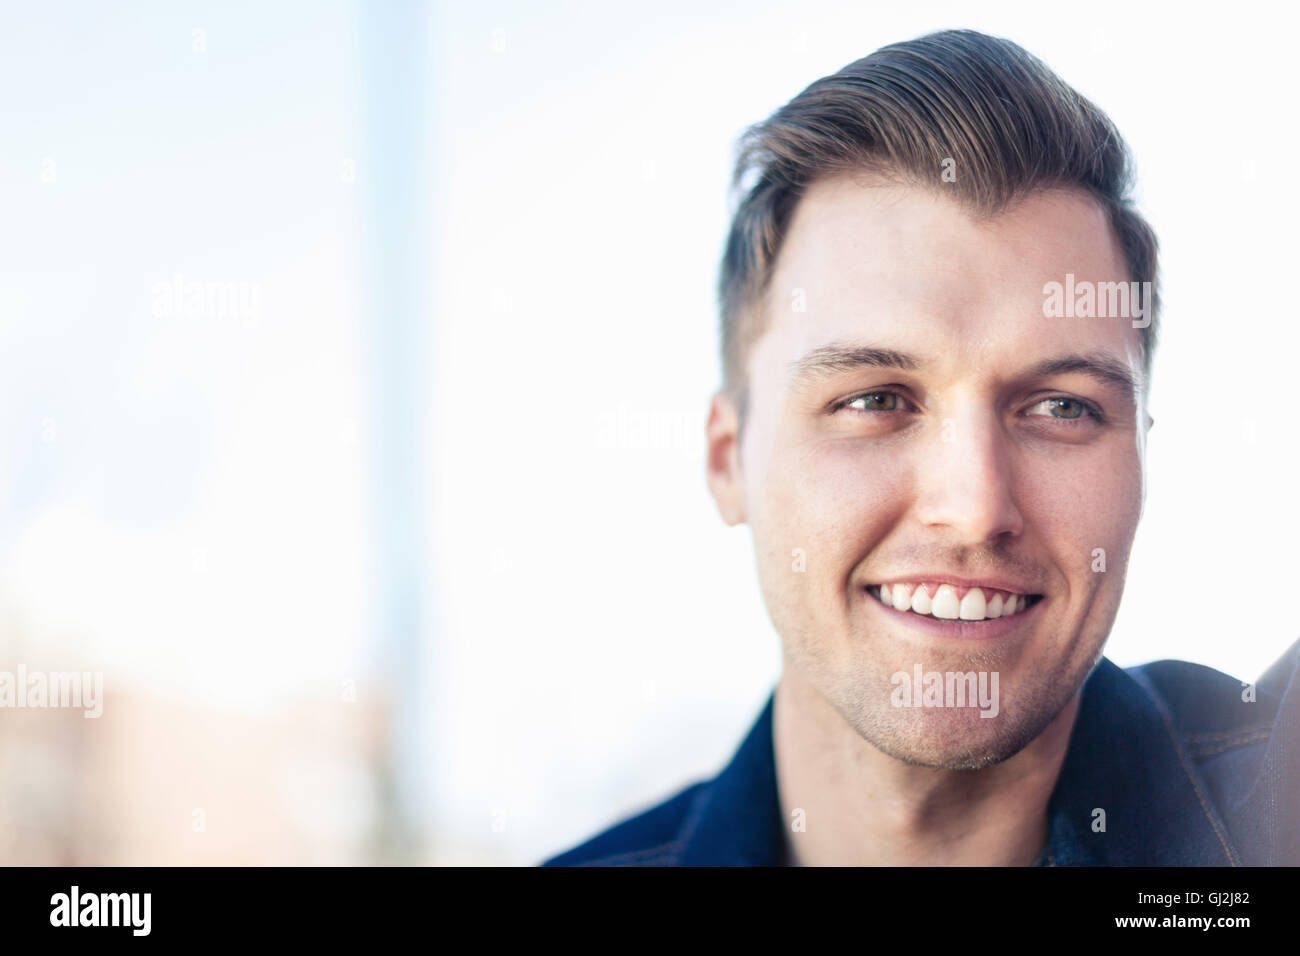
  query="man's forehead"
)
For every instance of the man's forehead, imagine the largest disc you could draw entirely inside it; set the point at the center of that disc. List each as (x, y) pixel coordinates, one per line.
(858, 201)
(900, 268)
(850, 228)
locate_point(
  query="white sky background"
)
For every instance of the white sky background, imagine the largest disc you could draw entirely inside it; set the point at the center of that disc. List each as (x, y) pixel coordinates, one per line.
(184, 495)
(602, 640)
(192, 499)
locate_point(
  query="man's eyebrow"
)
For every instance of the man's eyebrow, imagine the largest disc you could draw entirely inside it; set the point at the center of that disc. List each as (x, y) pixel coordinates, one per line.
(1103, 368)
(830, 359)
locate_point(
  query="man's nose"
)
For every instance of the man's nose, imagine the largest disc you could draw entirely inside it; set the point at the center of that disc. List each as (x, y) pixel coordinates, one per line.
(966, 480)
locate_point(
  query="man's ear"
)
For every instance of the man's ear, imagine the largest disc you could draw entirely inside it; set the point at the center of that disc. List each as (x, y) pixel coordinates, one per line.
(723, 459)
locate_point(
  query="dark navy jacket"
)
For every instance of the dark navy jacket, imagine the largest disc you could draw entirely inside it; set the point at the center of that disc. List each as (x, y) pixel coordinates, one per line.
(1187, 772)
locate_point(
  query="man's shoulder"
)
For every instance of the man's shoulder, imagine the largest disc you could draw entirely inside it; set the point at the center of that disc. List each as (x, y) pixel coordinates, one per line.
(732, 819)
(649, 838)
(1236, 741)
(1212, 711)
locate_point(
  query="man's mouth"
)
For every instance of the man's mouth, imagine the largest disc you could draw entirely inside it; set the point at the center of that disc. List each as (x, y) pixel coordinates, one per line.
(949, 602)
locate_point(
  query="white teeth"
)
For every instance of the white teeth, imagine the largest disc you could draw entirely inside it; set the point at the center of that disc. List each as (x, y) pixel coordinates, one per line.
(902, 597)
(972, 606)
(945, 604)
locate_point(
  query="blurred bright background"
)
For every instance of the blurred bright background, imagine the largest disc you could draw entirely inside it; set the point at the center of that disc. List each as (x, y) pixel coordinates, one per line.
(355, 359)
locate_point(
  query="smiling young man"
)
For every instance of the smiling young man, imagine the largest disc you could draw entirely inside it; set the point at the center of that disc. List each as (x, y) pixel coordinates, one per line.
(943, 473)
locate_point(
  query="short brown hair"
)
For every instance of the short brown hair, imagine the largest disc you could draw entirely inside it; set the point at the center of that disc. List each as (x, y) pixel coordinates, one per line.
(955, 99)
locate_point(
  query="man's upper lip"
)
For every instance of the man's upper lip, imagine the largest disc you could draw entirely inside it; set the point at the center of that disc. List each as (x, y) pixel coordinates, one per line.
(993, 583)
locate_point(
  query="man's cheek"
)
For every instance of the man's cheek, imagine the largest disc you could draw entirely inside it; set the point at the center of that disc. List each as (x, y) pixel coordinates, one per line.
(802, 499)
(857, 496)
(1098, 495)
(792, 539)
(1110, 516)
(831, 518)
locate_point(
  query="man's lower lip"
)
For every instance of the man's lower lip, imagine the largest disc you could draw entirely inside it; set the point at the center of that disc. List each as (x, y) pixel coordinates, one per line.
(963, 630)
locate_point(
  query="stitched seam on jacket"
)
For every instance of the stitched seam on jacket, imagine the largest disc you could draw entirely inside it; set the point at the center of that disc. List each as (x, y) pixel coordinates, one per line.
(1223, 735)
(693, 820)
(673, 848)
(1168, 724)
(665, 850)
(1210, 750)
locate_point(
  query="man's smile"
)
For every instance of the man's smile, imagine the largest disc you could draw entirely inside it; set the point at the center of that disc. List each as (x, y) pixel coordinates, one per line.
(956, 610)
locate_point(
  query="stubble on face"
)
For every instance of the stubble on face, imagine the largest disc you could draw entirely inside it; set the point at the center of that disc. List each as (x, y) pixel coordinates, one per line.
(856, 678)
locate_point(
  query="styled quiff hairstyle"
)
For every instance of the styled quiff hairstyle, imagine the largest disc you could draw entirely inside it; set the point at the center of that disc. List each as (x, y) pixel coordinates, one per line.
(961, 100)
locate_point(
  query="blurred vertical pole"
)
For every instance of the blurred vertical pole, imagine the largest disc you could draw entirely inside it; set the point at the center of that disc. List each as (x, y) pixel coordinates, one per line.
(393, 169)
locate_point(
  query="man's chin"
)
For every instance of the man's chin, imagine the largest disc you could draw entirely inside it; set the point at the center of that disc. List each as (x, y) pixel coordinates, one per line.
(951, 739)
(946, 754)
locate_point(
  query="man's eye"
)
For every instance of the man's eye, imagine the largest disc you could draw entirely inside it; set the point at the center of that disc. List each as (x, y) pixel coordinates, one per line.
(874, 402)
(1065, 408)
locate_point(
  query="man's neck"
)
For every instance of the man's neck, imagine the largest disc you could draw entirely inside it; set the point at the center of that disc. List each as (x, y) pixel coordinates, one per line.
(863, 807)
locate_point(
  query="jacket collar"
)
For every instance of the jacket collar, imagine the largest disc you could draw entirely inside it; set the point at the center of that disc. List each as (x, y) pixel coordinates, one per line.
(736, 820)
(1124, 760)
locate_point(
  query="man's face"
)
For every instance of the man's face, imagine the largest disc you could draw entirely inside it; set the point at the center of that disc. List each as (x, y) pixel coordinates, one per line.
(914, 419)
